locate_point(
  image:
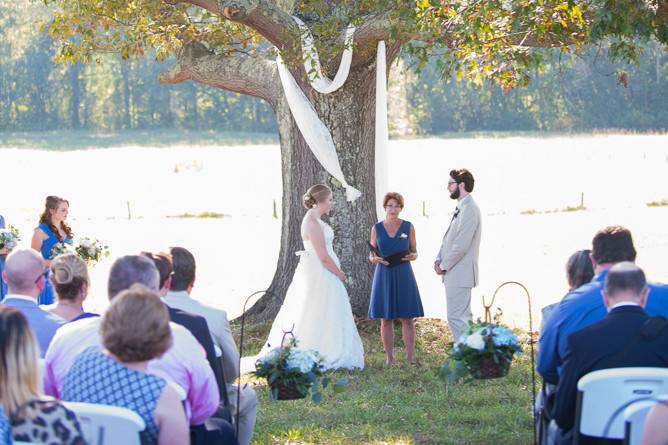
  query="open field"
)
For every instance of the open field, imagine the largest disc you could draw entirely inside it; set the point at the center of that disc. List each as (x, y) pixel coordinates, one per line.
(525, 187)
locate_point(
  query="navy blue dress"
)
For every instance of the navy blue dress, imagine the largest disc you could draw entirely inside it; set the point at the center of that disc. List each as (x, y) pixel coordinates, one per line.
(394, 291)
(46, 297)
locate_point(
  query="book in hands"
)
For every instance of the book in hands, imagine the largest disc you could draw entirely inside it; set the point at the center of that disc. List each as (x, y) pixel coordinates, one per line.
(394, 260)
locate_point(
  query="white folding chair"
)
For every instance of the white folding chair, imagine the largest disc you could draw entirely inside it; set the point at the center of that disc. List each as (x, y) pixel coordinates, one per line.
(107, 425)
(179, 390)
(634, 419)
(603, 395)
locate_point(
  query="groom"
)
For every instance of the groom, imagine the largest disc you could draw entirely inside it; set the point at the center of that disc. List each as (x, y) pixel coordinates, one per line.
(457, 261)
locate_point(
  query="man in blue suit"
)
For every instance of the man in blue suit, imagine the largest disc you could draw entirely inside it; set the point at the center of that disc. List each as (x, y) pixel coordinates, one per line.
(625, 337)
(584, 306)
(25, 274)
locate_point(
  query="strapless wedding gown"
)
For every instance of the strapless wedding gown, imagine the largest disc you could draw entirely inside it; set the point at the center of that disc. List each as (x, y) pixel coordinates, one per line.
(318, 307)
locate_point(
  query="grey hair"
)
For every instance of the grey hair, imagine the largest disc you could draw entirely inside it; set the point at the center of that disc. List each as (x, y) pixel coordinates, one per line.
(132, 269)
(625, 276)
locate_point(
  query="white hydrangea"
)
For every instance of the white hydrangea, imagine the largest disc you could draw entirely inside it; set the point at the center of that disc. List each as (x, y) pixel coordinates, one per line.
(302, 360)
(475, 341)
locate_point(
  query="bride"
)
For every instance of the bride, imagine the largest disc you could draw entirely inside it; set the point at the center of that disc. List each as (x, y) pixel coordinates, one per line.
(317, 304)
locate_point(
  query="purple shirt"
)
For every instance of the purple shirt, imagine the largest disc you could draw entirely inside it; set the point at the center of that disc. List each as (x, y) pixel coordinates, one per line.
(184, 364)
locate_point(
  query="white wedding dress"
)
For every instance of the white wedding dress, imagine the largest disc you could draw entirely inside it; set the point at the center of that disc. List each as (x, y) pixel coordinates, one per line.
(318, 307)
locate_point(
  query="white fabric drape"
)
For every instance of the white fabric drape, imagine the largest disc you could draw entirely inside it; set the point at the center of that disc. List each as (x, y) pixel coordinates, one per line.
(315, 132)
(382, 135)
(320, 82)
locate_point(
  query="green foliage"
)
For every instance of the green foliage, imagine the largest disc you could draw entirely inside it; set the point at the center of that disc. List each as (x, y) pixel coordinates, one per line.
(483, 342)
(289, 366)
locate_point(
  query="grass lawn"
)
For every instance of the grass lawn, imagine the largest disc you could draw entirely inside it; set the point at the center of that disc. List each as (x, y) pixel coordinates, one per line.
(403, 404)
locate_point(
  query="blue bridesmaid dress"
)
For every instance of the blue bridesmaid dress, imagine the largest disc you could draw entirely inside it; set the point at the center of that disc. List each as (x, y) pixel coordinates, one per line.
(46, 297)
(394, 291)
(3, 285)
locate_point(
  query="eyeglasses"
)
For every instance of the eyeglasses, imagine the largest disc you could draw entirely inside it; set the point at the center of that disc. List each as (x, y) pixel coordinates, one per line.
(452, 182)
(43, 274)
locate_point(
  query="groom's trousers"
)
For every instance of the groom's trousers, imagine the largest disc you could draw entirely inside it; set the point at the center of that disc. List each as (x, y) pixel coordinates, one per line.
(458, 302)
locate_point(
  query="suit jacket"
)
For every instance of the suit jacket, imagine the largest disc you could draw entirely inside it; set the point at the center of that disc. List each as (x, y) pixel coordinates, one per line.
(43, 324)
(597, 347)
(200, 330)
(459, 251)
(219, 326)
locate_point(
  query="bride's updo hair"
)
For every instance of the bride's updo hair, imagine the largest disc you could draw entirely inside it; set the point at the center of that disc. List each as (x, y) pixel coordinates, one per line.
(315, 194)
(68, 275)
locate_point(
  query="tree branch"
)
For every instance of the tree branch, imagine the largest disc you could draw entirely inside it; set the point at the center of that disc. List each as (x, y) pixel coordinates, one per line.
(267, 18)
(239, 73)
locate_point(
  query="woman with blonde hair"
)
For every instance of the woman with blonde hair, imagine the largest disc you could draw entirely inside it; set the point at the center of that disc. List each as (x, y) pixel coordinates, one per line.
(316, 306)
(52, 230)
(69, 277)
(34, 417)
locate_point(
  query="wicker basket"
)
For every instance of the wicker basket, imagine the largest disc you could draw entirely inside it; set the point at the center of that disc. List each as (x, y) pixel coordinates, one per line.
(489, 369)
(286, 392)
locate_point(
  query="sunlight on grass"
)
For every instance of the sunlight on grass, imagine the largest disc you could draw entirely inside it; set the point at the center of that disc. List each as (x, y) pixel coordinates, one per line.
(404, 404)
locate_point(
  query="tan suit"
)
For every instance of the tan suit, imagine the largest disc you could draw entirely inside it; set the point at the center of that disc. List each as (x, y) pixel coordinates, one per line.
(221, 333)
(458, 257)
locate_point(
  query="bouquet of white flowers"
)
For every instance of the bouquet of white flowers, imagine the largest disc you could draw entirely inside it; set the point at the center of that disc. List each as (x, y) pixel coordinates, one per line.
(9, 237)
(91, 250)
(61, 248)
(484, 351)
(291, 372)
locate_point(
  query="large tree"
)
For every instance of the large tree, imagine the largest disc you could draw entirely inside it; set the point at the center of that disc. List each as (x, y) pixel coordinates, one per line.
(232, 44)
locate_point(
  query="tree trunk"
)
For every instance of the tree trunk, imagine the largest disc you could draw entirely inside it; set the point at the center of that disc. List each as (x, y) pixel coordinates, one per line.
(349, 113)
(75, 97)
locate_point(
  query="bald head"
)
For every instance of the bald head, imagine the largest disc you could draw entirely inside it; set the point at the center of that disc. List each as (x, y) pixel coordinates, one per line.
(132, 269)
(625, 282)
(23, 269)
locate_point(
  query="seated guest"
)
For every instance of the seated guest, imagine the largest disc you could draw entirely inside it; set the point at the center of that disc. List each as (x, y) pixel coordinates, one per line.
(623, 338)
(184, 363)
(69, 278)
(182, 283)
(579, 271)
(33, 417)
(135, 329)
(584, 306)
(25, 276)
(656, 426)
(194, 323)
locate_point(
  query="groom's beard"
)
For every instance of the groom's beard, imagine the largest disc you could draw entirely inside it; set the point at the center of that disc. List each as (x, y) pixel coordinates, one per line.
(455, 194)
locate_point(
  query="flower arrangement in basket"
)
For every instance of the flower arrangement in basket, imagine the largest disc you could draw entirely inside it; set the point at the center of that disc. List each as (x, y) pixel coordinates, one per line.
(292, 372)
(9, 237)
(484, 351)
(91, 250)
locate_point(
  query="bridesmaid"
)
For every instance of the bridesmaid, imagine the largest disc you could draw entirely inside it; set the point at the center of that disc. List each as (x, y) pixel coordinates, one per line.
(394, 291)
(52, 230)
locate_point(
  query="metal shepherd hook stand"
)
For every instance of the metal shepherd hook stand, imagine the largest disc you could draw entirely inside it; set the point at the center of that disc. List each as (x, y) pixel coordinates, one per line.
(241, 350)
(488, 319)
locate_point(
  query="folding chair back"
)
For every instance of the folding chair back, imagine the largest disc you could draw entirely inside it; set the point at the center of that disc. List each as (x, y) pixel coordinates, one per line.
(107, 425)
(603, 395)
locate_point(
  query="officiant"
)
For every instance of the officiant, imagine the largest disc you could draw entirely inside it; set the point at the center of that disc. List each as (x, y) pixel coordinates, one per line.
(394, 291)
